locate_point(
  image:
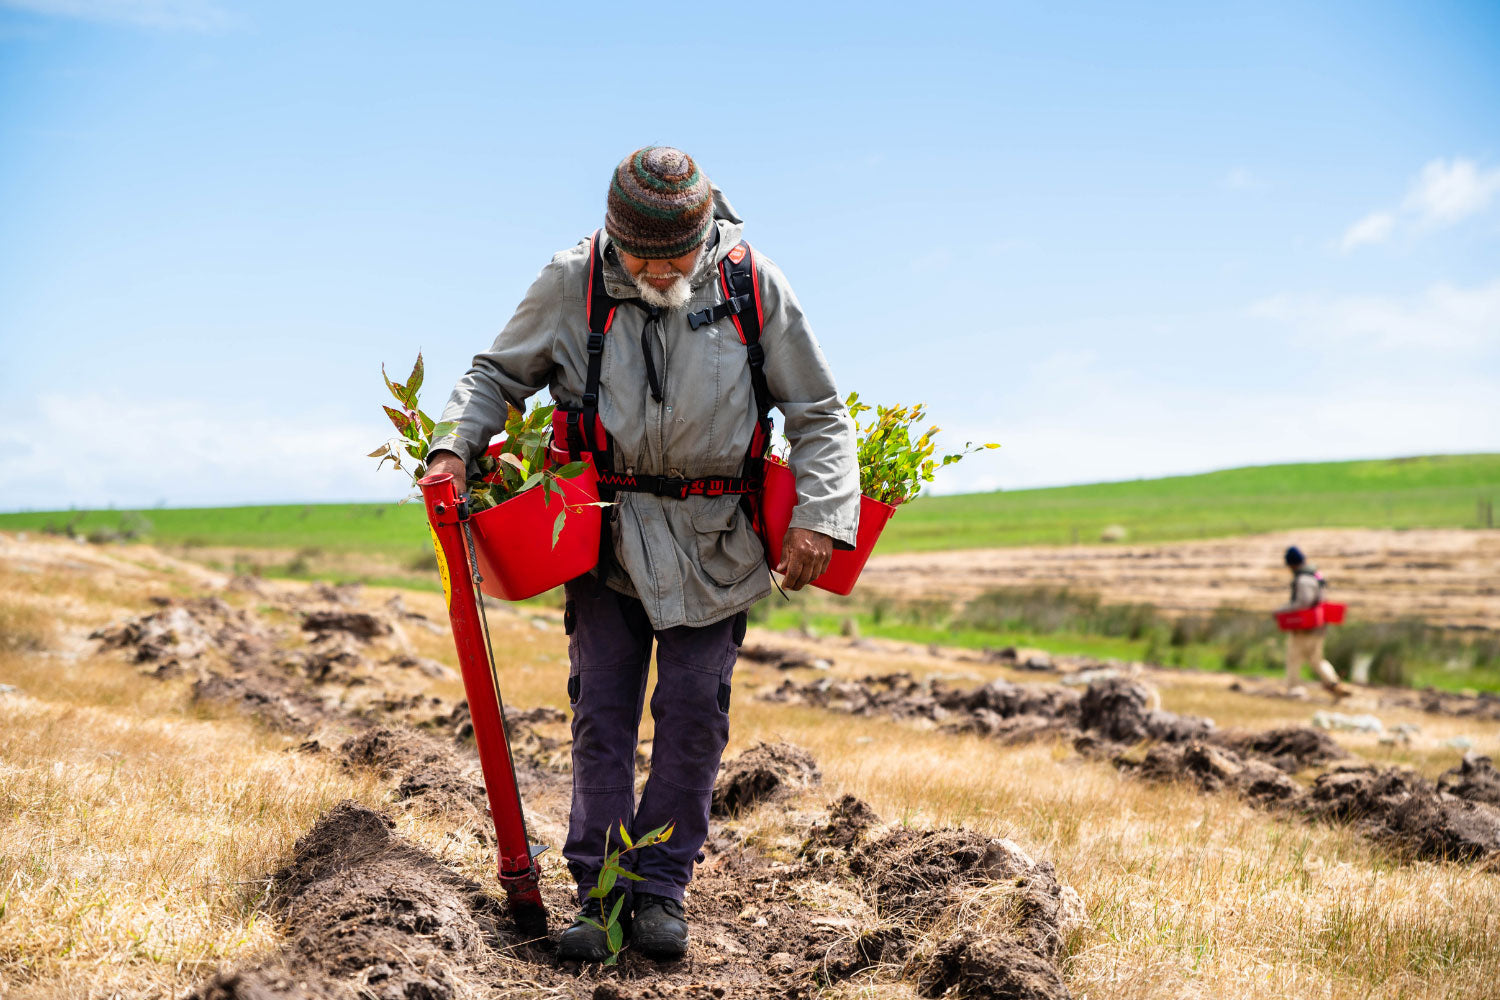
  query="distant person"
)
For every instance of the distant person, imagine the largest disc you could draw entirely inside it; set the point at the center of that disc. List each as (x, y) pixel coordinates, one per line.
(1304, 647)
(664, 340)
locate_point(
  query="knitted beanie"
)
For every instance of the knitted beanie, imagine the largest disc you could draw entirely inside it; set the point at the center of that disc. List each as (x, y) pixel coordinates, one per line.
(660, 204)
(1294, 556)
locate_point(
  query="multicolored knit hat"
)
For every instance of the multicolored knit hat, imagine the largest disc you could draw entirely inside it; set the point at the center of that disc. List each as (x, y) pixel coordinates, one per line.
(660, 204)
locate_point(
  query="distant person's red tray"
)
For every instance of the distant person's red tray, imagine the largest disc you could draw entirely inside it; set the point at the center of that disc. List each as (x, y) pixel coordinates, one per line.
(1316, 616)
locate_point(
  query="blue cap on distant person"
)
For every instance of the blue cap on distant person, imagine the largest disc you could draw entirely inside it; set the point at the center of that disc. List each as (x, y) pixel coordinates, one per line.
(1294, 556)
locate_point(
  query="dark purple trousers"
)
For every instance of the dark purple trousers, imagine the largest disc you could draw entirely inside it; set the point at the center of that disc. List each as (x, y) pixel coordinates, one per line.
(610, 656)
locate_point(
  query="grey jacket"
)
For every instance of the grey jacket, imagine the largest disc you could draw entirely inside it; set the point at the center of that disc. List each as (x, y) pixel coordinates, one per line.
(694, 561)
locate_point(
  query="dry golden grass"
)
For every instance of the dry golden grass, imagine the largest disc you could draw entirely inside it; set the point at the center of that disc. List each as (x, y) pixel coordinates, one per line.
(136, 828)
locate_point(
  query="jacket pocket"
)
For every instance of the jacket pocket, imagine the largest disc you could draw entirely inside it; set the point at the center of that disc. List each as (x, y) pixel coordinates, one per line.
(728, 548)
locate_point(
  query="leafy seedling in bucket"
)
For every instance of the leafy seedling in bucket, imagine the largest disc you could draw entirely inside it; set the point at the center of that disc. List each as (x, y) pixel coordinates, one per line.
(520, 465)
(612, 870)
(892, 464)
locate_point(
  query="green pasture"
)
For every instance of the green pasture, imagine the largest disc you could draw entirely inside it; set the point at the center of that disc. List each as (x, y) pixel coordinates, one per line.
(1439, 491)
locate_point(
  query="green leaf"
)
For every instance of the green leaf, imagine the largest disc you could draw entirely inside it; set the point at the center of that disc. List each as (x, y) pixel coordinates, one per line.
(598, 893)
(427, 424)
(625, 835)
(611, 960)
(591, 922)
(401, 420)
(414, 380)
(443, 428)
(614, 914)
(557, 527)
(616, 937)
(569, 471)
(632, 875)
(531, 481)
(607, 879)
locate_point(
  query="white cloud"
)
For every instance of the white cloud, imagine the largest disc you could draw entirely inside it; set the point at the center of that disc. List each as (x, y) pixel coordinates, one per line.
(1445, 193)
(172, 15)
(95, 450)
(1443, 318)
(1373, 228)
(1450, 191)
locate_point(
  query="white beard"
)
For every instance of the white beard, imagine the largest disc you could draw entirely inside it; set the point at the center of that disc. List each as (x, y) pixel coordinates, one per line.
(675, 296)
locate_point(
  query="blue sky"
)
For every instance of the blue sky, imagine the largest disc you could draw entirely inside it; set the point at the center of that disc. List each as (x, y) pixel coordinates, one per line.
(1120, 240)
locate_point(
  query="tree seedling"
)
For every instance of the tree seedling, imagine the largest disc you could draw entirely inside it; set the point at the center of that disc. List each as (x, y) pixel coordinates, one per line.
(612, 871)
(892, 465)
(520, 465)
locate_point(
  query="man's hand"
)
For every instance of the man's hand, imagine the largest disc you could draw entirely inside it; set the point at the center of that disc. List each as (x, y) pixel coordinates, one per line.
(804, 557)
(447, 461)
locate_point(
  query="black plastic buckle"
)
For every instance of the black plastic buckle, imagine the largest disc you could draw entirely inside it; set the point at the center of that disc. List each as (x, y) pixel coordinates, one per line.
(590, 399)
(700, 318)
(595, 343)
(756, 353)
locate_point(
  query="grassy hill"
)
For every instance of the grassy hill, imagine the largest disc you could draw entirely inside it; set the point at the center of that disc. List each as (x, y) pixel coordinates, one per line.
(1453, 491)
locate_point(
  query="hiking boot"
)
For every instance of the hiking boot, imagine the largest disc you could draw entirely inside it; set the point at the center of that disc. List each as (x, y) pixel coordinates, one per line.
(659, 929)
(1339, 691)
(583, 942)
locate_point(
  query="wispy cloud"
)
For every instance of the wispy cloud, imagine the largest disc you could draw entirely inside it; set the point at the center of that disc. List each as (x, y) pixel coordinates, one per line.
(1443, 318)
(1444, 193)
(185, 452)
(166, 15)
(1373, 228)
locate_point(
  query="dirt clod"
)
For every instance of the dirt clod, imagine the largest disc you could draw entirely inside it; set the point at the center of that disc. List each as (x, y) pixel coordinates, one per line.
(432, 776)
(1475, 779)
(1118, 710)
(984, 966)
(360, 624)
(1407, 810)
(849, 819)
(1291, 748)
(762, 773)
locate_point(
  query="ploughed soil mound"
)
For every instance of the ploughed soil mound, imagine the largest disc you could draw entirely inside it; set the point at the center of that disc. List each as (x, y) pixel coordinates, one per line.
(370, 916)
(1404, 808)
(432, 776)
(272, 670)
(1292, 748)
(960, 912)
(764, 772)
(1459, 818)
(1474, 779)
(1484, 705)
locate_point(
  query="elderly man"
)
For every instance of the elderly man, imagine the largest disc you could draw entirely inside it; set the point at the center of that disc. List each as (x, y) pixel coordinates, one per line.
(664, 340)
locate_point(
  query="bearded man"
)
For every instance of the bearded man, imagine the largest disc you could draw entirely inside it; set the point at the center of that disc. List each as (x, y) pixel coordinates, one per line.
(664, 340)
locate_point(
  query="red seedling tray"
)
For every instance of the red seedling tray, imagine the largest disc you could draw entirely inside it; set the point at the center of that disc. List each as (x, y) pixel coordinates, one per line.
(779, 498)
(513, 540)
(1316, 616)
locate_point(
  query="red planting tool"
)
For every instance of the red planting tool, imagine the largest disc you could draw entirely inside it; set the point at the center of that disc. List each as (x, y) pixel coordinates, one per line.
(453, 538)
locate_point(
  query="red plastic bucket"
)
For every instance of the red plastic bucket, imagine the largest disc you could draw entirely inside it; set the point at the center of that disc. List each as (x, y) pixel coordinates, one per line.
(1316, 616)
(779, 497)
(513, 540)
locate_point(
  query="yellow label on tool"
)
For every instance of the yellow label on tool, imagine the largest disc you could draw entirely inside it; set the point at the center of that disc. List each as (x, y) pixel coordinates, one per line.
(442, 566)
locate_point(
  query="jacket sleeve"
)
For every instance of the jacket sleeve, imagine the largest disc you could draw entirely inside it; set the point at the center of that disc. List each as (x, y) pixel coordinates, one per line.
(818, 427)
(516, 366)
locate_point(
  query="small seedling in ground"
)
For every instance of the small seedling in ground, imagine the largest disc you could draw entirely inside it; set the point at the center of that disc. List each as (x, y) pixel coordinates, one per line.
(611, 872)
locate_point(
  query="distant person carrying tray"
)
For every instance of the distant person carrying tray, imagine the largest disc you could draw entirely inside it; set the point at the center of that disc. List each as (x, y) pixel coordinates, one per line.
(1304, 646)
(665, 339)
